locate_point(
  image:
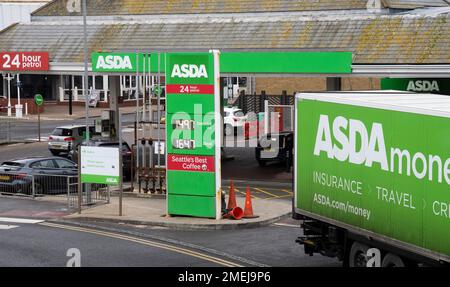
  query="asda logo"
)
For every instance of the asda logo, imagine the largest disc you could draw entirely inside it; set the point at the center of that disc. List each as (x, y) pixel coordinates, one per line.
(350, 140)
(114, 62)
(189, 71)
(423, 86)
(112, 180)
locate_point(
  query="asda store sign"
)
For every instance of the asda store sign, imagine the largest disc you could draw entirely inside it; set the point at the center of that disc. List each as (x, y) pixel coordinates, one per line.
(119, 62)
(435, 86)
(189, 71)
(350, 140)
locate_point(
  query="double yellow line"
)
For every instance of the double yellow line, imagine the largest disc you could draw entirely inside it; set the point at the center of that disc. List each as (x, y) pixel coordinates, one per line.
(164, 246)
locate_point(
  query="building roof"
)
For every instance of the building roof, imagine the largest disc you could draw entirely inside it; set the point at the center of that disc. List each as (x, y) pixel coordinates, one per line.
(412, 4)
(398, 39)
(149, 7)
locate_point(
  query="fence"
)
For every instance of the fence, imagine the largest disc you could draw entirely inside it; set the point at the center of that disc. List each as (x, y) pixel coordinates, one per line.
(62, 188)
(255, 103)
(10, 126)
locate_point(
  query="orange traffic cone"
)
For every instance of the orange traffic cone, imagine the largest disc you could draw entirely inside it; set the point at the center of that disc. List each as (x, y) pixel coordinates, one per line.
(236, 213)
(248, 210)
(232, 198)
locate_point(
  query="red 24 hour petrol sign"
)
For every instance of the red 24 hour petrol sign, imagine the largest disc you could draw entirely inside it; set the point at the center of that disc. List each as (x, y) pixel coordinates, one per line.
(24, 61)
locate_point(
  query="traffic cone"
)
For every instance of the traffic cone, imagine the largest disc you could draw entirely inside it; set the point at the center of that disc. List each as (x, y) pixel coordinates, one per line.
(235, 213)
(231, 198)
(248, 210)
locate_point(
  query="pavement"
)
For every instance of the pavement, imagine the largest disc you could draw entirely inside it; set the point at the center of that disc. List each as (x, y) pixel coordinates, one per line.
(152, 212)
(54, 112)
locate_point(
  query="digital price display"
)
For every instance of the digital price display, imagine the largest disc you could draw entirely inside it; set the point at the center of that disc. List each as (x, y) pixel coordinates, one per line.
(183, 144)
(183, 124)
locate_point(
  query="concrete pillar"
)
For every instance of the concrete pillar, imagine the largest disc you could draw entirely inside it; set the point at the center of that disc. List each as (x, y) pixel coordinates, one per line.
(114, 87)
(334, 84)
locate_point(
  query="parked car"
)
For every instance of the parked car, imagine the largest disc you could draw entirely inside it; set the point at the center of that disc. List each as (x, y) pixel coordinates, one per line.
(66, 138)
(275, 147)
(50, 175)
(234, 119)
(126, 153)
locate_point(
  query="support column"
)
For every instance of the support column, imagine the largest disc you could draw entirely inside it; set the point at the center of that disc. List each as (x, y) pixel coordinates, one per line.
(334, 84)
(5, 87)
(114, 87)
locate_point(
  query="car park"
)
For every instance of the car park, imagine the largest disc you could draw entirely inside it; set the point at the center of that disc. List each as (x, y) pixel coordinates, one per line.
(66, 138)
(234, 119)
(48, 174)
(275, 147)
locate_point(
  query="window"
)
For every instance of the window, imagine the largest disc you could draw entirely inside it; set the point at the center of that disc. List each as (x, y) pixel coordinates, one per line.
(44, 164)
(62, 132)
(64, 163)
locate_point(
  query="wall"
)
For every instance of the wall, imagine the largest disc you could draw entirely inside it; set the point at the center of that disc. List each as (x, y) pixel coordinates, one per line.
(11, 13)
(274, 86)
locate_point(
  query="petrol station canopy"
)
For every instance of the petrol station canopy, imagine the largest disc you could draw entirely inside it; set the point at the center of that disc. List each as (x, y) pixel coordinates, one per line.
(402, 38)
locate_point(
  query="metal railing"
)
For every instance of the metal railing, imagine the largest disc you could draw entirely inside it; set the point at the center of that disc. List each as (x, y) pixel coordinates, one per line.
(60, 188)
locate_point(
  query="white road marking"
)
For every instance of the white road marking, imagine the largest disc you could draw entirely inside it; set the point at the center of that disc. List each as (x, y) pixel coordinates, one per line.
(20, 220)
(7, 227)
(286, 225)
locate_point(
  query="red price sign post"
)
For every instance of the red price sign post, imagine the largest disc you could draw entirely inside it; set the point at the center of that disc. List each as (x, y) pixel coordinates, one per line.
(24, 61)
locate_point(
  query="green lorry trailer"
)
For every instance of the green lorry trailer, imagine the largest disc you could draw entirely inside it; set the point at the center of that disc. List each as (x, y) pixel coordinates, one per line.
(372, 177)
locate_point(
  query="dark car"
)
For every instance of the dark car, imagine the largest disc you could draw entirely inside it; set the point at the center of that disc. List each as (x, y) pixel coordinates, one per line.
(51, 175)
(275, 147)
(126, 153)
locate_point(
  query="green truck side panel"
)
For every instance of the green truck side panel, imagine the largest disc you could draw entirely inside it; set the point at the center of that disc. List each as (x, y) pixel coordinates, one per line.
(203, 134)
(261, 62)
(191, 183)
(414, 132)
(191, 104)
(199, 206)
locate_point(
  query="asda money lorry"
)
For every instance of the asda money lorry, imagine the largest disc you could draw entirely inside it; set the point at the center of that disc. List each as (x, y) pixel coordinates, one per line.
(372, 177)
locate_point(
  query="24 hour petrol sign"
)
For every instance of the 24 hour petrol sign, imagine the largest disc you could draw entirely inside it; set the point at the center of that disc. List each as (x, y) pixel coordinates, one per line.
(24, 61)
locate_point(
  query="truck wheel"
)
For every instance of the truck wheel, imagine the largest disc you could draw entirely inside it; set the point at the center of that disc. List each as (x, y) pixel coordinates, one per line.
(392, 260)
(358, 255)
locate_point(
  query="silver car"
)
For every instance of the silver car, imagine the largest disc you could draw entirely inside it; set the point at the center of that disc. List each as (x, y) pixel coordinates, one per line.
(64, 139)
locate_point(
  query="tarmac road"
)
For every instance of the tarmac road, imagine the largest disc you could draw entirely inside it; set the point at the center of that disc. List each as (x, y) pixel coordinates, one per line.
(27, 242)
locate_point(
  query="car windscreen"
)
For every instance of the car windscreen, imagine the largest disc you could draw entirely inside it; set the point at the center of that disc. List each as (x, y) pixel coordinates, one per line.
(62, 132)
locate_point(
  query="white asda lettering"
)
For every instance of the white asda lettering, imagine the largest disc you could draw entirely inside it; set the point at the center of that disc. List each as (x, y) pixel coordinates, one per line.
(114, 62)
(340, 142)
(189, 71)
(423, 86)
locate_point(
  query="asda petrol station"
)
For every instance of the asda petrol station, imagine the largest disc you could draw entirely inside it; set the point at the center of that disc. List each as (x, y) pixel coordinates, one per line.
(331, 45)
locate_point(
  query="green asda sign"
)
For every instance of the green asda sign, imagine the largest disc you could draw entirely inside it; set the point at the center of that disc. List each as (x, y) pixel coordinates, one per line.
(379, 170)
(425, 85)
(192, 136)
(231, 63)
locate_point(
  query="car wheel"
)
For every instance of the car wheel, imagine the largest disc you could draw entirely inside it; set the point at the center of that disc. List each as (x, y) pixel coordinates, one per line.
(55, 153)
(262, 163)
(229, 130)
(38, 189)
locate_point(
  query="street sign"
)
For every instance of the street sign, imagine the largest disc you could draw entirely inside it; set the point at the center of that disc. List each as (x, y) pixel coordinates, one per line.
(39, 100)
(100, 165)
(193, 138)
(24, 61)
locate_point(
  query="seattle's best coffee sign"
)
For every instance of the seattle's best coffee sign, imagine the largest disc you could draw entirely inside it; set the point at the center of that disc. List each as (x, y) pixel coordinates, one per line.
(24, 61)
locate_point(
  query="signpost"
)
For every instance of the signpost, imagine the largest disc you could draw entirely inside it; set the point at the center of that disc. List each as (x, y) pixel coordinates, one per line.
(100, 165)
(193, 134)
(39, 101)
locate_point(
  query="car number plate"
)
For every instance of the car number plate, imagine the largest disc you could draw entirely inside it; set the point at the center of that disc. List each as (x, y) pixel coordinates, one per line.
(4, 177)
